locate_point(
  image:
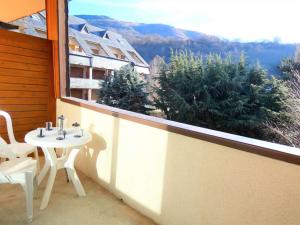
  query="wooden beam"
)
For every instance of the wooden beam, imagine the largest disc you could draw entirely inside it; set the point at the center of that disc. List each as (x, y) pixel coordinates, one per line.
(52, 34)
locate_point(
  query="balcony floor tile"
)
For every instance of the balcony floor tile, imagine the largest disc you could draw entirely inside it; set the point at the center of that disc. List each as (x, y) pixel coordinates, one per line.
(65, 208)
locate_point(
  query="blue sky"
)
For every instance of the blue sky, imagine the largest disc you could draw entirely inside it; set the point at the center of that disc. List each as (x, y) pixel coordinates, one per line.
(246, 20)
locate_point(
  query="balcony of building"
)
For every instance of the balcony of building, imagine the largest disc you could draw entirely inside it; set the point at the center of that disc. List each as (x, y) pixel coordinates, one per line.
(137, 169)
(102, 62)
(98, 207)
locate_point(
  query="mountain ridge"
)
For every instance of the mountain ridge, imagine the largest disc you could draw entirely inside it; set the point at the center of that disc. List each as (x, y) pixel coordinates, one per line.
(141, 29)
(158, 39)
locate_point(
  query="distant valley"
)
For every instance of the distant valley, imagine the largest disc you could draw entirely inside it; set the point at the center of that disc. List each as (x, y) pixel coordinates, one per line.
(158, 39)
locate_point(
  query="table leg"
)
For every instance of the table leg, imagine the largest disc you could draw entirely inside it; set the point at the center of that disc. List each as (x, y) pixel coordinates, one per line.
(61, 161)
(45, 169)
(65, 153)
(52, 158)
(69, 165)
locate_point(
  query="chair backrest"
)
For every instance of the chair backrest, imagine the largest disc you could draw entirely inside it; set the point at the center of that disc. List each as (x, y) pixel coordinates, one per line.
(5, 152)
(9, 126)
(2, 141)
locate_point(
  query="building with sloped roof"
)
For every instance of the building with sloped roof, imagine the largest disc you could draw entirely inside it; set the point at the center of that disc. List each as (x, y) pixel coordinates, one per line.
(34, 25)
(94, 53)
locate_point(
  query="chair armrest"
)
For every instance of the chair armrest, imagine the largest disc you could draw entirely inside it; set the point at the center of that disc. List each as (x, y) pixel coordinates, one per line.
(5, 152)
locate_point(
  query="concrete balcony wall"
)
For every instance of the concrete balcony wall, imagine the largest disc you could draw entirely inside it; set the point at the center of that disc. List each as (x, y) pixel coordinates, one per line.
(77, 52)
(103, 63)
(178, 180)
(79, 60)
(113, 64)
(82, 83)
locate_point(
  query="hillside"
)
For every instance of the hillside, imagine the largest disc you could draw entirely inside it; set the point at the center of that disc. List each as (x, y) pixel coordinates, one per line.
(136, 31)
(157, 39)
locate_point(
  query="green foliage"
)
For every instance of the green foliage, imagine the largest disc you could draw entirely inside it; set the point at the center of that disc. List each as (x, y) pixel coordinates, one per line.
(268, 53)
(287, 130)
(219, 94)
(125, 90)
(288, 68)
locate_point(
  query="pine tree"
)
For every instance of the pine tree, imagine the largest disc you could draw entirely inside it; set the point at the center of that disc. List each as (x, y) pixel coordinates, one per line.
(288, 68)
(125, 90)
(219, 93)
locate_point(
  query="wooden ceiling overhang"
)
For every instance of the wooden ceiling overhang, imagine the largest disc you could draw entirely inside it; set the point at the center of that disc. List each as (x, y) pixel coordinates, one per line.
(14, 9)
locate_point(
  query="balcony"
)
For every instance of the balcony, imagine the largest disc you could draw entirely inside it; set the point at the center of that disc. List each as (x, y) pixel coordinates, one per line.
(137, 169)
(113, 64)
(102, 62)
(100, 206)
(83, 83)
(175, 179)
(79, 59)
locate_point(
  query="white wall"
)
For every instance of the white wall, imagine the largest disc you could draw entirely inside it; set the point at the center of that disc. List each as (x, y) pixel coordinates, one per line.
(177, 180)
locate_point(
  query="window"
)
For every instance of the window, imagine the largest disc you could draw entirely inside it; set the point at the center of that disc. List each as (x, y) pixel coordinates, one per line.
(135, 57)
(99, 74)
(117, 53)
(85, 30)
(96, 49)
(74, 45)
(79, 72)
(214, 67)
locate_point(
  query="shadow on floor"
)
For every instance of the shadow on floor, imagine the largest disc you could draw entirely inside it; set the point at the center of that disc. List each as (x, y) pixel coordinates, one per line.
(66, 208)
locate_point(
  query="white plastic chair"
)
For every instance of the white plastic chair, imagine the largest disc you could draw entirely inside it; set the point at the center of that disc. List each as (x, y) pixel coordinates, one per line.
(20, 171)
(19, 149)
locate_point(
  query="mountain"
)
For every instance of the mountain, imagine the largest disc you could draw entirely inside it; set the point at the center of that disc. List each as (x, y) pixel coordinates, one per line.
(158, 39)
(139, 30)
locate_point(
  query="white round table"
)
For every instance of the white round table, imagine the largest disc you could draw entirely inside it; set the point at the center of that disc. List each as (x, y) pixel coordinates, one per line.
(71, 146)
